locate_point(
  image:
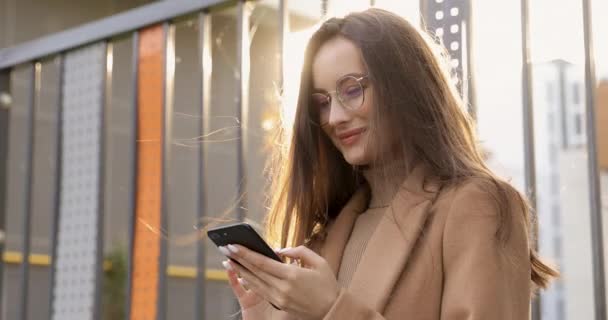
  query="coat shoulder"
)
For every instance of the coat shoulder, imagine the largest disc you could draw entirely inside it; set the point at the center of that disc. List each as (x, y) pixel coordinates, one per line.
(482, 195)
(495, 201)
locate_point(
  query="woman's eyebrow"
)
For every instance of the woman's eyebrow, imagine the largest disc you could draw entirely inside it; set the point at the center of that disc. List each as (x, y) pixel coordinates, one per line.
(354, 74)
(350, 74)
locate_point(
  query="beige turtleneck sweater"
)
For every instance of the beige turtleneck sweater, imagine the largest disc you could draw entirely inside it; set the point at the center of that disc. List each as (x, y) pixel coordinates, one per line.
(362, 231)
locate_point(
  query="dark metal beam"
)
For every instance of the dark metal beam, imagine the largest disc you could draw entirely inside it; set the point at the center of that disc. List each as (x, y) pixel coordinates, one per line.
(105, 96)
(528, 128)
(5, 114)
(167, 138)
(34, 92)
(113, 26)
(133, 182)
(469, 72)
(205, 63)
(58, 171)
(595, 200)
(242, 98)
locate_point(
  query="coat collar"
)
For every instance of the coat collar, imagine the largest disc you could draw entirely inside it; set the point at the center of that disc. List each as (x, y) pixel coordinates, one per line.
(391, 243)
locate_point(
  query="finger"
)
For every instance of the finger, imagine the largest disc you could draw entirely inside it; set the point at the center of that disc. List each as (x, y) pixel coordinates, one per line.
(305, 255)
(279, 252)
(283, 249)
(261, 262)
(266, 277)
(254, 283)
(239, 291)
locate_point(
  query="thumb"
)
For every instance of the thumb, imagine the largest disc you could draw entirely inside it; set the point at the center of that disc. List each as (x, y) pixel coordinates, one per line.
(305, 255)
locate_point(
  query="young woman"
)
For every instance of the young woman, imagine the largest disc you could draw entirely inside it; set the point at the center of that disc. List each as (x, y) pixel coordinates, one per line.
(384, 194)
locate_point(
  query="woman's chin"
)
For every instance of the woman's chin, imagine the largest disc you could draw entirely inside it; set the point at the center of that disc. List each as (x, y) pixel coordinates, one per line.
(355, 159)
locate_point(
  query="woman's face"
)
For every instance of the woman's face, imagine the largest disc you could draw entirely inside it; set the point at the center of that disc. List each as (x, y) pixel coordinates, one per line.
(343, 98)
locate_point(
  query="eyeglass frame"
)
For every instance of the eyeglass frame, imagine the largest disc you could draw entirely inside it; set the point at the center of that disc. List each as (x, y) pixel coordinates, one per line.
(359, 82)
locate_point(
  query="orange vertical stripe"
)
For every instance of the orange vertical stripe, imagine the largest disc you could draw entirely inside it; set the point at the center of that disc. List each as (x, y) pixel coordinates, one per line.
(149, 168)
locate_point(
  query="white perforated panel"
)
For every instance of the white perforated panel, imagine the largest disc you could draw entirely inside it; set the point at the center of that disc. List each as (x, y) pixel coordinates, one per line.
(79, 222)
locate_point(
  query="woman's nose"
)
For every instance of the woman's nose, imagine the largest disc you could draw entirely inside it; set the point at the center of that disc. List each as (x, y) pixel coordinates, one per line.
(337, 113)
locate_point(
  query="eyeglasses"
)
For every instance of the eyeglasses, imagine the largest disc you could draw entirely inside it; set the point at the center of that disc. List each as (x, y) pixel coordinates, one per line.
(350, 91)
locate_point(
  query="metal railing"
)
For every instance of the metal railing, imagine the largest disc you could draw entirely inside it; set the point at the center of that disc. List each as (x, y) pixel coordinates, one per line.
(103, 31)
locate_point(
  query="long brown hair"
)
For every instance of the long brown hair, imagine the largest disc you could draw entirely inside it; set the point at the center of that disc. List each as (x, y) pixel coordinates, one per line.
(418, 105)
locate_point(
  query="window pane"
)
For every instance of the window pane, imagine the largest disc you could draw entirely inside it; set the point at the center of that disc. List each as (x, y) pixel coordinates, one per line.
(561, 156)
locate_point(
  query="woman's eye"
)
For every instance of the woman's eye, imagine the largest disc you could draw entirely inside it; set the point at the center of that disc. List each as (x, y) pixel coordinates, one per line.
(352, 92)
(320, 102)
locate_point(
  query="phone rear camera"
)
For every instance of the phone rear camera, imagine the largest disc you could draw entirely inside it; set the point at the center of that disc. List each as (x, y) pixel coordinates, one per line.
(215, 236)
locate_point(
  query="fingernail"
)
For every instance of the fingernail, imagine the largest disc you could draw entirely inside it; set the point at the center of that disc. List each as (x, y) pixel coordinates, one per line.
(224, 250)
(243, 282)
(227, 265)
(232, 248)
(285, 249)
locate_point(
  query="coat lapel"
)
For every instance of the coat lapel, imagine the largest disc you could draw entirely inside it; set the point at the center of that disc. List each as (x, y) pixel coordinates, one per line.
(339, 231)
(389, 248)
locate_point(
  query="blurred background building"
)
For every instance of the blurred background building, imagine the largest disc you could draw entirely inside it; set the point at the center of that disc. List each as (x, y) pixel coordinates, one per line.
(559, 121)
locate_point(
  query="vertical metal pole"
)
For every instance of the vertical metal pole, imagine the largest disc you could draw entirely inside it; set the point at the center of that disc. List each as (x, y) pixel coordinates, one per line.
(595, 201)
(167, 138)
(528, 128)
(204, 29)
(58, 170)
(422, 4)
(372, 3)
(106, 85)
(283, 32)
(133, 185)
(243, 61)
(5, 113)
(242, 105)
(34, 81)
(468, 66)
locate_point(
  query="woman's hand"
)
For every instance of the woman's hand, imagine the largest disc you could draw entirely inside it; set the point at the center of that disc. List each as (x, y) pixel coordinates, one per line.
(247, 299)
(306, 292)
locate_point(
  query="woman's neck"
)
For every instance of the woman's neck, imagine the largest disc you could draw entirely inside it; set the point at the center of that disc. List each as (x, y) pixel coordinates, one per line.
(384, 182)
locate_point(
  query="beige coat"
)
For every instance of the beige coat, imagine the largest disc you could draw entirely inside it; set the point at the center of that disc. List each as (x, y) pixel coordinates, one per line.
(433, 256)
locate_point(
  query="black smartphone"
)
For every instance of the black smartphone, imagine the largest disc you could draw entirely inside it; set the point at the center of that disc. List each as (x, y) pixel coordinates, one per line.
(243, 234)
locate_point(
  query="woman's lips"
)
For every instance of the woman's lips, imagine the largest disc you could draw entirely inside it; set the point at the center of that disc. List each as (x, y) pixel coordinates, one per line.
(350, 137)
